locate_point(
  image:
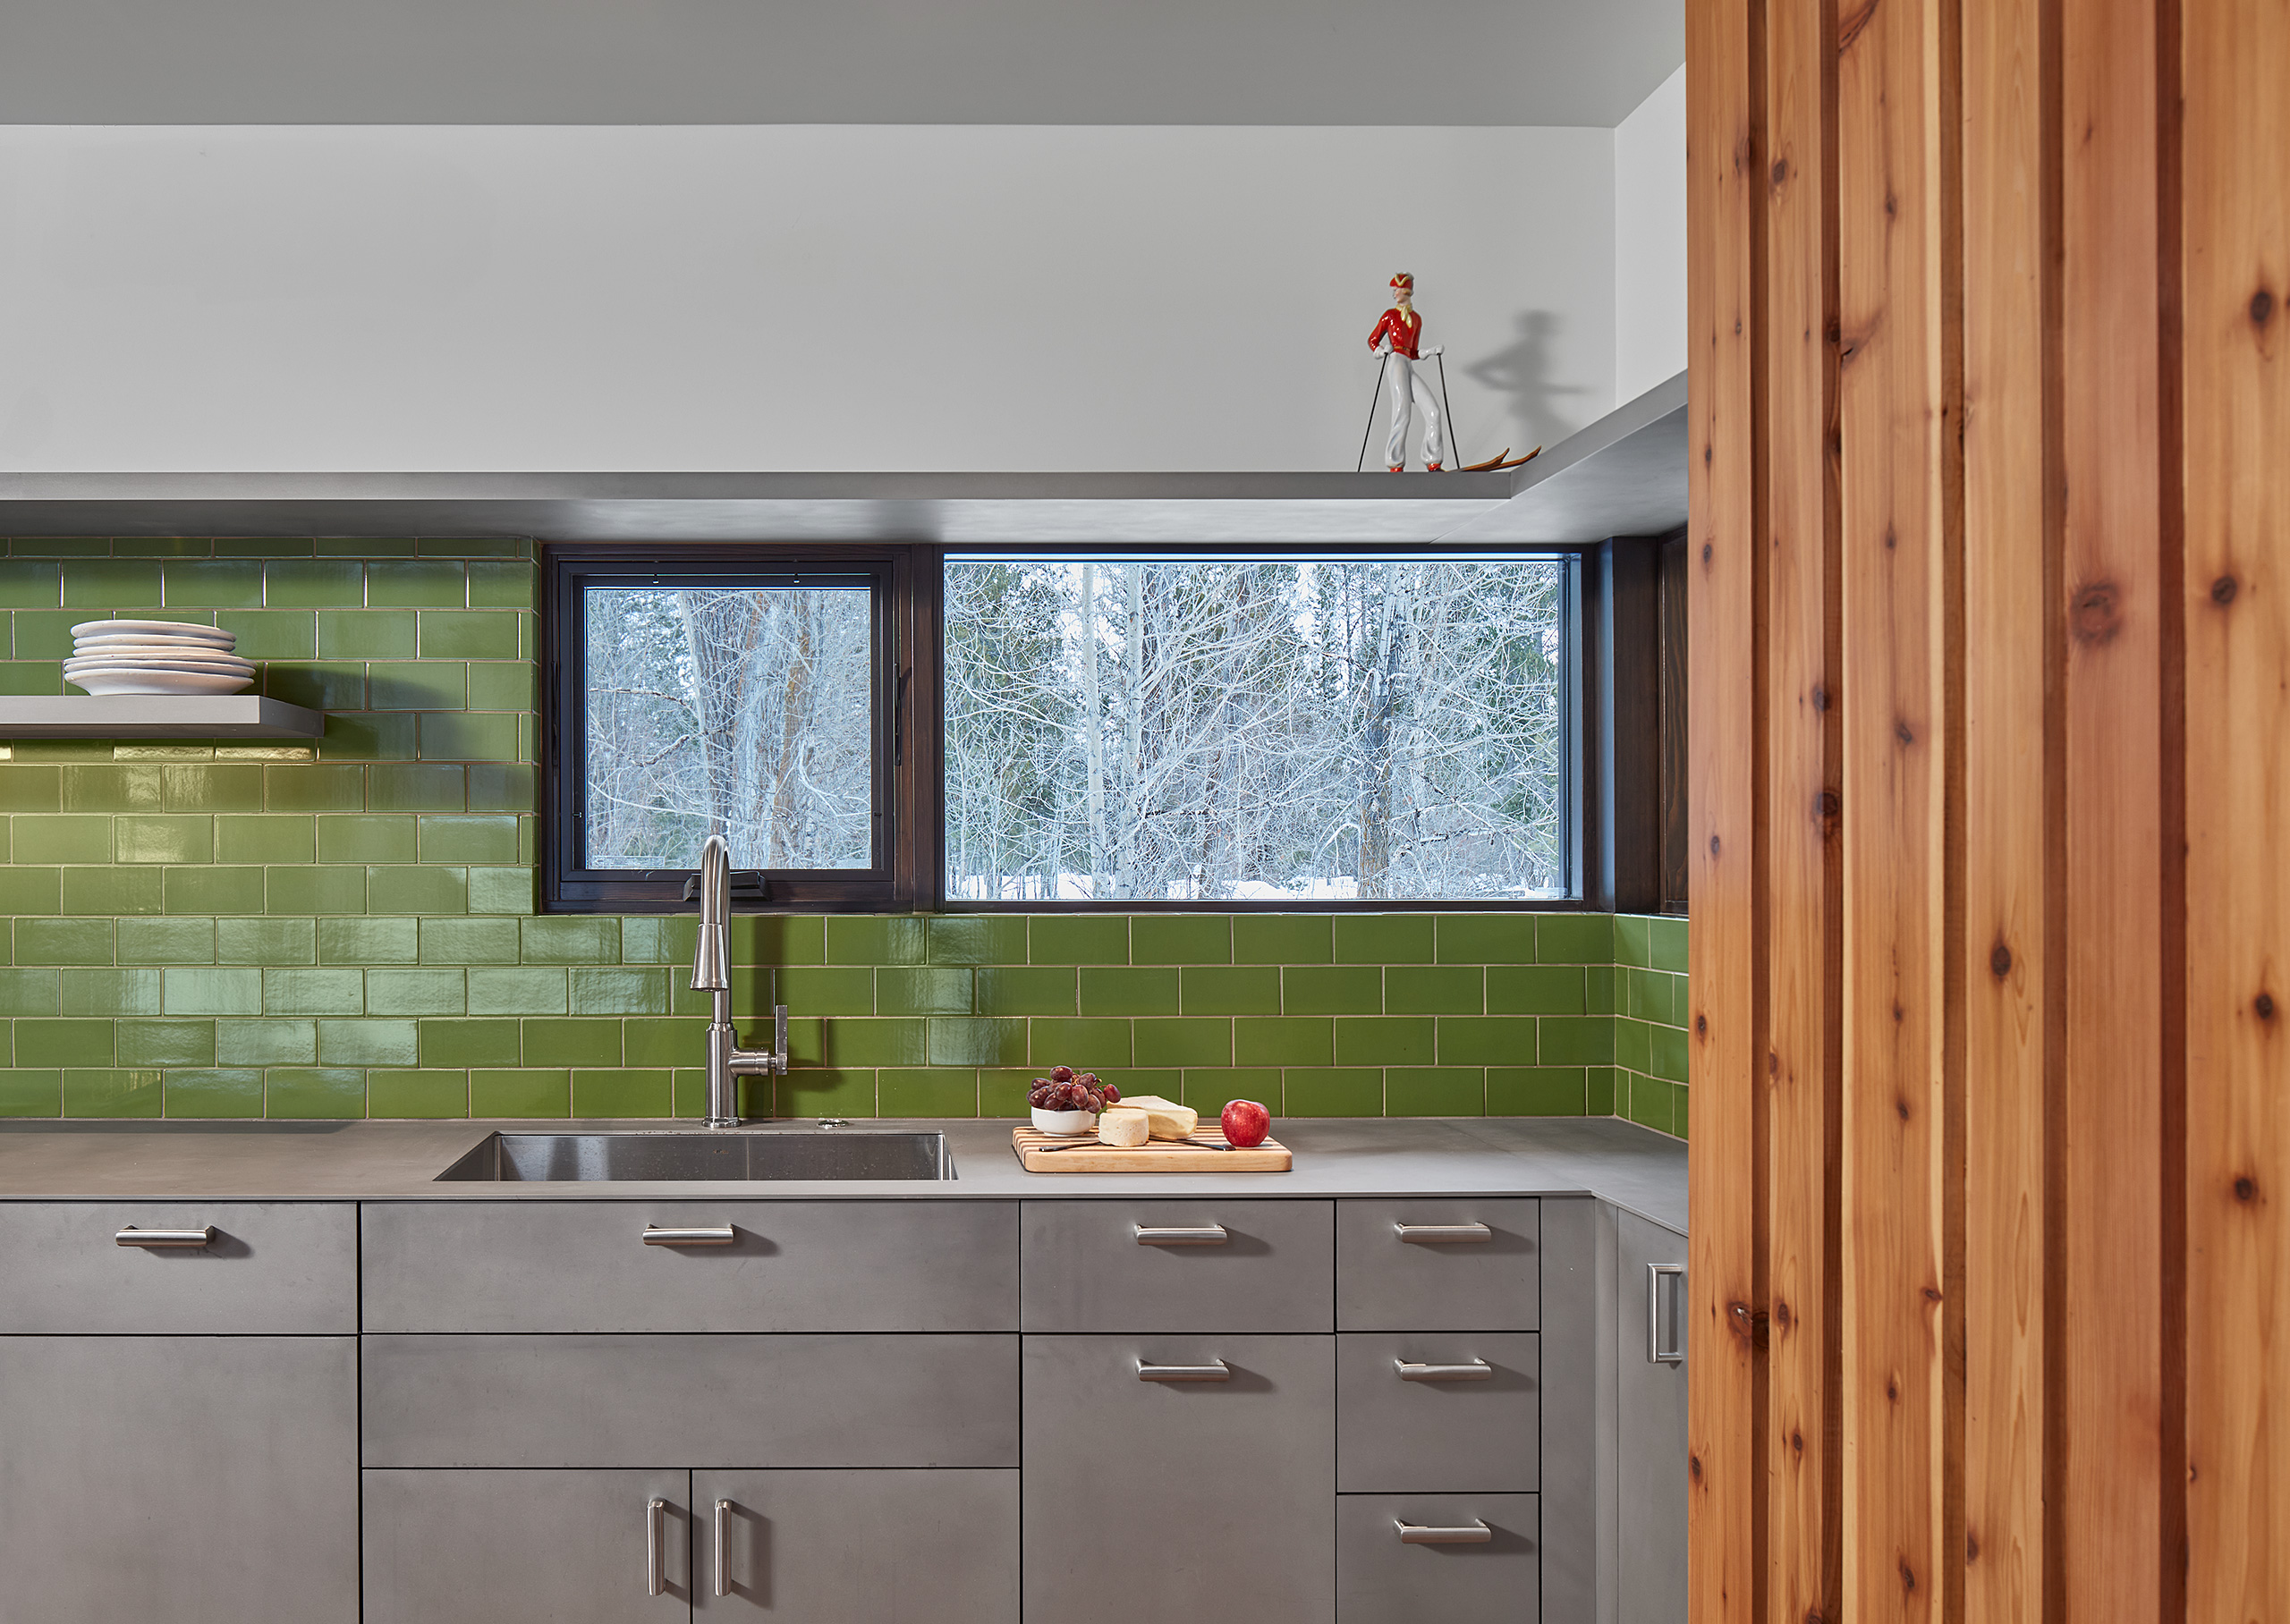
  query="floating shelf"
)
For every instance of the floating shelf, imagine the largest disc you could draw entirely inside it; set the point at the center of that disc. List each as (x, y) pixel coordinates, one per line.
(156, 716)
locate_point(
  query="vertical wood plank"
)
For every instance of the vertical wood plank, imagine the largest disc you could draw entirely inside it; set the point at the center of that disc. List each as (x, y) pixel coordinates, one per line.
(1804, 948)
(2110, 1212)
(1896, 422)
(1722, 316)
(2236, 611)
(2011, 565)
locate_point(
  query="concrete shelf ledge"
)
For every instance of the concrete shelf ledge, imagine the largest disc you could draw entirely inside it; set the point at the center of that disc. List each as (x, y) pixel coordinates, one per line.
(156, 716)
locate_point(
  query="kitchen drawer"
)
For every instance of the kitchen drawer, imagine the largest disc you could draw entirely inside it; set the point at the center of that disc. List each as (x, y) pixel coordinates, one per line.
(269, 1269)
(1422, 1265)
(1380, 1578)
(1142, 1265)
(691, 1400)
(791, 1265)
(1396, 1435)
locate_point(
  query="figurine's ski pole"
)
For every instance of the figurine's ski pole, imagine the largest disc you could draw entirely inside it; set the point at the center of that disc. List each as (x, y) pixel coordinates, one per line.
(1454, 443)
(1362, 465)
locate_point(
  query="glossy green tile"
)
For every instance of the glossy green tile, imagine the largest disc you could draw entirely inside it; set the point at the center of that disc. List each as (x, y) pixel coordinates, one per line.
(1557, 989)
(1077, 938)
(1428, 990)
(403, 787)
(34, 993)
(1566, 1041)
(620, 992)
(1601, 994)
(418, 685)
(815, 990)
(384, 939)
(1665, 939)
(1493, 1040)
(265, 1042)
(313, 1093)
(1669, 1053)
(415, 992)
(503, 685)
(321, 890)
(1219, 989)
(105, 992)
(212, 890)
(1645, 994)
(465, 634)
(519, 991)
(977, 939)
(860, 1043)
(39, 634)
(523, 1092)
(1086, 1045)
(1130, 991)
(1285, 1040)
(264, 838)
(211, 1092)
(1385, 1040)
(956, 1041)
(572, 1043)
(425, 583)
(213, 990)
(112, 786)
(1281, 938)
(112, 583)
(208, 785)
(501, 787)
(64, 942)
(1574, 938)
(162, 838)
(1325, 1091)
(160, 546)
(1208, 1090)
(566, 939)
(112, 891)
(937, 1091)
(1633, 1048)
(505, 891)
(313, 583)
(778, 939)
(103, 1092)
(1188, 1042)
(468, 736)
(1434, 1091)
(1632, 941)
(211, 583)
(665, 1042)
(420, 889)
(1649, 1102)
(31, 1094)
(1601, 1090)
(30, 789)
(1681, 1111)
(312, 787)
(1037, 990)
(1384, 938)
(28, 583)
(502, 586)
(336, 686)
(1485, 938)
(916, 991)
(622, 1093)
(165, 1042)
(446, 939)
(875, 939)
(61, 838)
(43, 677)
(363, 838)
(417, 1093)
(1001, 1090)
(31, 891)
(271, 634)
(459, 1044)
(299, 991)
(839, 1091)
(1181, 939)
(1536, 1091)
(64, 1043)
(368, 1042)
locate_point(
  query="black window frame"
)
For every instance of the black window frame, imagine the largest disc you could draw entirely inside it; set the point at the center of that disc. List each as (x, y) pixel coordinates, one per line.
(909, 873)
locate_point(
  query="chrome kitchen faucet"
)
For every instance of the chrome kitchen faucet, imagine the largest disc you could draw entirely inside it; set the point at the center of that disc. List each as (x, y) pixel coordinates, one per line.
(712, 972)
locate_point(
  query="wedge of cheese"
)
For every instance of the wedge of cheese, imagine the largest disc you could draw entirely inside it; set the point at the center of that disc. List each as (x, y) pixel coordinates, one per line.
(1119, 1125)
(1166, 1118)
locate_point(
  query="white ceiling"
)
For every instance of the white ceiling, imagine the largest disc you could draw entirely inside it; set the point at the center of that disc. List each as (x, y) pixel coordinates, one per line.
(919, 61)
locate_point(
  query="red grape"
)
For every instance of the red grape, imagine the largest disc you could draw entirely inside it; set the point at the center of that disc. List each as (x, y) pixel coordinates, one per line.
(1062, 1074)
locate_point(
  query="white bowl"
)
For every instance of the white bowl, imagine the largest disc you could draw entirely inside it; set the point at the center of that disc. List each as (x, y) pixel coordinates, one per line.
(1069, 1123)
(162, 629)
(218, 668)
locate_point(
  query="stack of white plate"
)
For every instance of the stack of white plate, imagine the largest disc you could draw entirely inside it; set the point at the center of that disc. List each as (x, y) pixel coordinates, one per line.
(155, 658)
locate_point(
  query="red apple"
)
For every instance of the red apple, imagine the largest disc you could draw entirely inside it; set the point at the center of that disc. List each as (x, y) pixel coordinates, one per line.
(1245, 1123)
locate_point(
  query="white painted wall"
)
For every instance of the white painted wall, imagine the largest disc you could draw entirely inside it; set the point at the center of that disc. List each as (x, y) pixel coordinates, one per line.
(1649, 241)
(757, 297)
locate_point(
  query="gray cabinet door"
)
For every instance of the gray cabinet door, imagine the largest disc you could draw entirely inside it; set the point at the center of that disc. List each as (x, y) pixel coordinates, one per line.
(178, 1480)
(857, 1547)
(1152, 1502)
(1649, 1465)
(528, 1547)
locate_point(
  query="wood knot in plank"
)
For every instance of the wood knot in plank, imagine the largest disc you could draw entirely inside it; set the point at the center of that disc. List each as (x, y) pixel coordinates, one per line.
(1780, 171)
(1820, 697)
(2095, 615)
(1707, 551)
(1742, 1321)
(2224, 590)
(1693, 1467)
(1891, 1391)
(2262, 1006)
(2245, 1189)
(1797, 1447)
(2261, 307)
(1900, 1105)
(1781, 1315)
(1999, 959)
(1907, 1577)
(1702, 1026)
(1902, 731)
(1827, 805)
(1971, 1547)
(1713, 845)
(1848, 29)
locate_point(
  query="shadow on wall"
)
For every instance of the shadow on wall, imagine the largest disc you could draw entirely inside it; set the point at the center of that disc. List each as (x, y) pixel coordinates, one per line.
(1521, 372)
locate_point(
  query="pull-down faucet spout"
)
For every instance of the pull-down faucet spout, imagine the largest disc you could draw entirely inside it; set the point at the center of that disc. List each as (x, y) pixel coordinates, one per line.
(727, 1062)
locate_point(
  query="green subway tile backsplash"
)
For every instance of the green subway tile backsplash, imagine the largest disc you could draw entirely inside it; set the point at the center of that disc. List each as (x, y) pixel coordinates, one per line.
(347, 928)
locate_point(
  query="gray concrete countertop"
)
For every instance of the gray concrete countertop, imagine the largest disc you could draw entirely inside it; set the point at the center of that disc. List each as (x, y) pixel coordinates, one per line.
(63, 1160)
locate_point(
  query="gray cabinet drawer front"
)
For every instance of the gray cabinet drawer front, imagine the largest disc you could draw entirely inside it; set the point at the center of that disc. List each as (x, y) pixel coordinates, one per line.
(525, 1547)
(1086, 1270)
(1382, 1580)
(792, 1265)
(1385, 1282)
(272, 1268)
(1192, 1503)
(691, 1400)
(854, 1547)
(1395, 1436)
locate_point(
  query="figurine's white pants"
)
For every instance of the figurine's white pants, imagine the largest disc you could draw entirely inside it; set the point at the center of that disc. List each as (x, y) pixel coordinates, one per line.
(1409, 389)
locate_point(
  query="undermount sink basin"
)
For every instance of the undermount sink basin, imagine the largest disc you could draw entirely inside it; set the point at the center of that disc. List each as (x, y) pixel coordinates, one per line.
(602, 1157)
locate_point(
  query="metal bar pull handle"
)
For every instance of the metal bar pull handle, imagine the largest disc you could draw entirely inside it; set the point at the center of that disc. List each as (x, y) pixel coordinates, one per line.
(1181, 1235)
(1422, 1534)
(1474, 1370)
(1215, 1370)
(723, 1551)
(156, 1240)
(1655, 1353)
(688, 1235)
(1441, 1234)
(656, 1579)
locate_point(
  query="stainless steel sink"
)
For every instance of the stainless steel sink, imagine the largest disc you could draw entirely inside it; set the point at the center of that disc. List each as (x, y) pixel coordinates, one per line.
(597, 1158)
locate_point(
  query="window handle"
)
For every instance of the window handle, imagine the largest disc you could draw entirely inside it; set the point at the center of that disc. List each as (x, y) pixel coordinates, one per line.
(898, 719)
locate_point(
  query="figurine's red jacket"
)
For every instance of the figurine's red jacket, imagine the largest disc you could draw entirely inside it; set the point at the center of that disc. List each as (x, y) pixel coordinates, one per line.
(1402, 330)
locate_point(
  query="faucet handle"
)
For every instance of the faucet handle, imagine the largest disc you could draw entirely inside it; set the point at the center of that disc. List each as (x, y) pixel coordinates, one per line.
(779, 1037)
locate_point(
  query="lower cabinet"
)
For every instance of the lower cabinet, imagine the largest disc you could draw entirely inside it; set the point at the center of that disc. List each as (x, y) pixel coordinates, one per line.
(178, 1480)
(1437, 1558)
(1154, 1500)
(1651, 1422)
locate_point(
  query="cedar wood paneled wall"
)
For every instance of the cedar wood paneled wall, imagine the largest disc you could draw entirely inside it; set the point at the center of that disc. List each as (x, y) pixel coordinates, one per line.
(1990, 728)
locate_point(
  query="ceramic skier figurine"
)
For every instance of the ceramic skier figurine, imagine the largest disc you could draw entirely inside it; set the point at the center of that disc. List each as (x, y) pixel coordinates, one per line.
(1398, 334)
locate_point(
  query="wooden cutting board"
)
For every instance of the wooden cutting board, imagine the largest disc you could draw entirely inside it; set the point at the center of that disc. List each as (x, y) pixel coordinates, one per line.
(1205, 1152)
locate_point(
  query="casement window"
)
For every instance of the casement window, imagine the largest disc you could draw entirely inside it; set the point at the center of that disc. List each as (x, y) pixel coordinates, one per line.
(900, 727)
